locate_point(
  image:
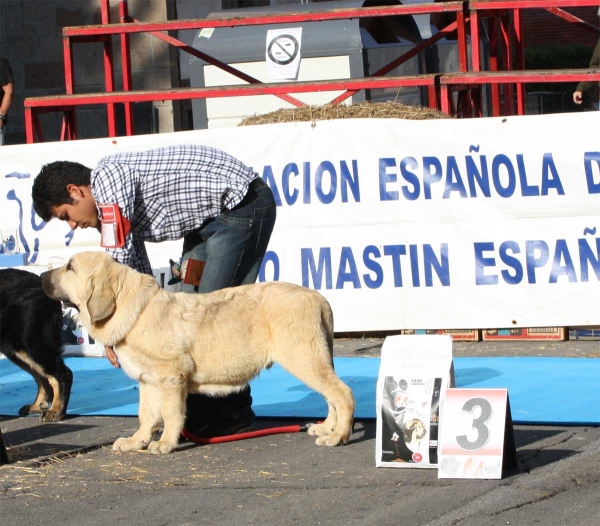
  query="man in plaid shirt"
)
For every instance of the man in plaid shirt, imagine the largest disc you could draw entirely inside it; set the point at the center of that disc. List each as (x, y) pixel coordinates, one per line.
(223, 211)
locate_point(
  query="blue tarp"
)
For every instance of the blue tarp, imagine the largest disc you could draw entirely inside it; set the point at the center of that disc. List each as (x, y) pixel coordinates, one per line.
(563, 391)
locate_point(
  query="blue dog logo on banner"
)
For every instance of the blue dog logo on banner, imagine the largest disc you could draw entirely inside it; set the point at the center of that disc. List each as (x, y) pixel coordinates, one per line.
(25, 232)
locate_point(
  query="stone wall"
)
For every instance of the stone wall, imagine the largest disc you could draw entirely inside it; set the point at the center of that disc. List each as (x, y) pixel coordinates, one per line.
(31, 40)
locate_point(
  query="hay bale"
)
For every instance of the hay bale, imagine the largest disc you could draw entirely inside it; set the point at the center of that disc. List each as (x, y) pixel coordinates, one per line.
(364, 110)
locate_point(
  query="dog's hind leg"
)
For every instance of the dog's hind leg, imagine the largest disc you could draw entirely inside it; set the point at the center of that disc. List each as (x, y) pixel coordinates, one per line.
(41, 402)
(150, 419)
(337, 427)
(61, 381)
(339, 398)
(326, 427)
(44, 392)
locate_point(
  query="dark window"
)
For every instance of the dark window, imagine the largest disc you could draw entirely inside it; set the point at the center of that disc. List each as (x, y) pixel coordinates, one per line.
(237, 4)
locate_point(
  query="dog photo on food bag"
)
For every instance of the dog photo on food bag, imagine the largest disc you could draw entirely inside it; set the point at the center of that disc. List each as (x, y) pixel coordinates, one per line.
(215, 343)
(30, 337)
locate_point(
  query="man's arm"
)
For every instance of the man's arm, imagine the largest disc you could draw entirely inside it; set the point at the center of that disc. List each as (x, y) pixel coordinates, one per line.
(115, 184)
(6, 100)
(586, 86)
(133, 254)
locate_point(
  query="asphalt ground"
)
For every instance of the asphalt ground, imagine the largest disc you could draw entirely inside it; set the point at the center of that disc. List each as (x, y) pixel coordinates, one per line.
(66, 473)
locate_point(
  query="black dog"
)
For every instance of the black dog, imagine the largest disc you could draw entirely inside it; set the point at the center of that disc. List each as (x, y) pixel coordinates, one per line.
(30, 337)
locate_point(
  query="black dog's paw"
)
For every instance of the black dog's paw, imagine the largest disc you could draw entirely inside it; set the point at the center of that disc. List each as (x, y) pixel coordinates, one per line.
(31, 409)
(51, 416)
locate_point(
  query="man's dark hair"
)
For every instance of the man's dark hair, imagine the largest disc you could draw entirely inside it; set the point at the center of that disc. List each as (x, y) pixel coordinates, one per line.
(50, 186)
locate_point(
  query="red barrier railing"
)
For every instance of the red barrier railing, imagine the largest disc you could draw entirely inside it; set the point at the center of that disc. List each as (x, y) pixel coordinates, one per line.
(467, 14)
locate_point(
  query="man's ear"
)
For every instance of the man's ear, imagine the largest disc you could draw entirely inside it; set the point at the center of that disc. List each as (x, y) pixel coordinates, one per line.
(101, 301)
(74, 191)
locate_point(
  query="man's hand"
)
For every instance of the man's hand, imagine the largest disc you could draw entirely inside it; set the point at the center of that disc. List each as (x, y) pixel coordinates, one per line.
(112, 356)
(577, 97)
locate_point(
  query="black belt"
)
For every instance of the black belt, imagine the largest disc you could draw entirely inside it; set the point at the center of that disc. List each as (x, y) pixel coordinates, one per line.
(254, 185)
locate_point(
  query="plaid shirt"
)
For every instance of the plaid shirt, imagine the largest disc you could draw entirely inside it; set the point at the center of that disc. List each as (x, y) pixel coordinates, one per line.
(167, 193)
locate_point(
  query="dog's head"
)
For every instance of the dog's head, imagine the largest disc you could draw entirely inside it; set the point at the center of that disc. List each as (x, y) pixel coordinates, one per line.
(87, 282)
(414, 429)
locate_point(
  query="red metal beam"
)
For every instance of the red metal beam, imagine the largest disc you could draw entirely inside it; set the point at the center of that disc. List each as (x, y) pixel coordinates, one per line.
(67, 101)
(446, 99)
(475, 41)
(317, 16)
(69, 86)
(105, 11)
(463, 56)
(573, 19)
(253, 20)
(520, 59)
(507, 60)
(68, 64)
(528, 4)
(29, 126)
(109, 72)
(64, 131)
(501, 77)
(493, 45)
(467, 80)
(473, 81)
(109, 85)
(126, 66)
(432, 95)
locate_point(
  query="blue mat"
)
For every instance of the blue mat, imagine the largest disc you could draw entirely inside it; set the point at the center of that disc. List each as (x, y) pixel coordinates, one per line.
(563, 391)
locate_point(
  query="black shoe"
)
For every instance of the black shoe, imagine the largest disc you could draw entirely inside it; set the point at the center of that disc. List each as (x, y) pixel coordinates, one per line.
(209, 417)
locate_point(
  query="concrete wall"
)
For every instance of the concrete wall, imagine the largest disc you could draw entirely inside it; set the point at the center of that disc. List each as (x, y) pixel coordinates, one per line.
(31, 40)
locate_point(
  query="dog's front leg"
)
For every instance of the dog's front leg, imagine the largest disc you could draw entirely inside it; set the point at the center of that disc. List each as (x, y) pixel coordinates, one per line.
(150, 420)
(172, 403)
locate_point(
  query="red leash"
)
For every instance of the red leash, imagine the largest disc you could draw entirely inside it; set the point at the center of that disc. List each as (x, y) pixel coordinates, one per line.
(243, 436)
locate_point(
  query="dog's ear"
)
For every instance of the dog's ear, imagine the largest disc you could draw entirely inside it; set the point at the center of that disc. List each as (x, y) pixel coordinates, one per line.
(101, 302)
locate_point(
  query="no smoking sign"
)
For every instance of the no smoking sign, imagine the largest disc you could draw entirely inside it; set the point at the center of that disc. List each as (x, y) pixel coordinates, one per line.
(283, 53)
(283, 49)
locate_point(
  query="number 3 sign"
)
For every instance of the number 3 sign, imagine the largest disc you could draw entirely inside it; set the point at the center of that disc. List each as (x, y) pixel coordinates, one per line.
(477, 438)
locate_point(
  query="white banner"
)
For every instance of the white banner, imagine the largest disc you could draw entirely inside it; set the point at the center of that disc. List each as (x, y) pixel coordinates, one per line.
(443, 224)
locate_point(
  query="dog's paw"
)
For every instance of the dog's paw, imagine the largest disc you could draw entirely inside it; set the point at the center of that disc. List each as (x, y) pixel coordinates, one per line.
(160, 447)
(127, 444)
(335, 439)
(31, 409)
(320, 430)
(51, 416)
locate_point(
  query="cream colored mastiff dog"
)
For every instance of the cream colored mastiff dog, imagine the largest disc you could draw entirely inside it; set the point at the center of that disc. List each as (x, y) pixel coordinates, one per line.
(175, 343)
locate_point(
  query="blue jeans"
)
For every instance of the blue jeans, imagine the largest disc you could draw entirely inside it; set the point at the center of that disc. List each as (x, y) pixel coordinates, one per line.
(233, 244)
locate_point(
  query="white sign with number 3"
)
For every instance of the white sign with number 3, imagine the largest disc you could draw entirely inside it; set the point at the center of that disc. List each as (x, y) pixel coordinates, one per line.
(473, 431)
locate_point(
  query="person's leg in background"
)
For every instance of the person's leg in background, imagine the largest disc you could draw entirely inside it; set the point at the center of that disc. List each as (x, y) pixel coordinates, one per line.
(233, 246)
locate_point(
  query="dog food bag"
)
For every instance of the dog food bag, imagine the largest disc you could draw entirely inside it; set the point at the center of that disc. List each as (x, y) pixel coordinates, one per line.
(414, 373)
(76, 340)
